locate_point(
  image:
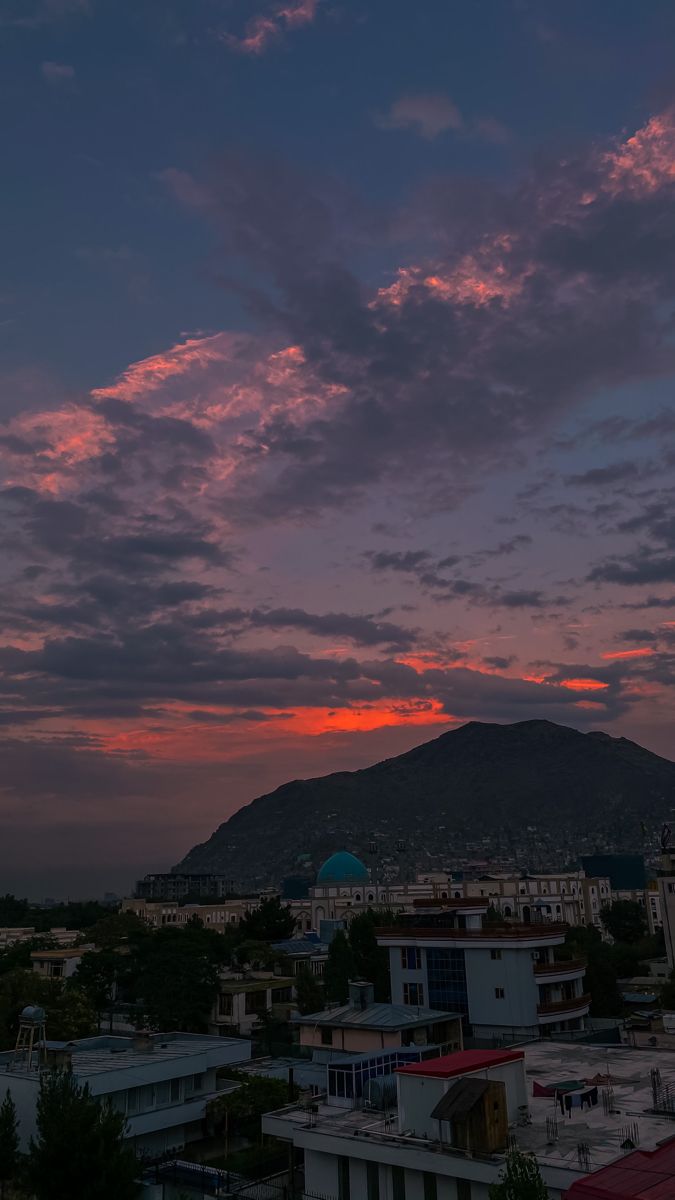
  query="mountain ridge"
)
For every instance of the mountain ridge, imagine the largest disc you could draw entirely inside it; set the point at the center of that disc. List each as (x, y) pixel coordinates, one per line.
(532, 790)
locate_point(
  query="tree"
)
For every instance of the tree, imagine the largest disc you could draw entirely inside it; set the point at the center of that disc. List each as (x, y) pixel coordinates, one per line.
(115, 929)
(520, 1179)
(176, 976)
(80, 1148)
(371, 961)
(668, 993)
(98, 976)
(9, 1141)
(624, 921)
(272, 921)
(308, 992)
(340, 968)
(69, 1013)
(600, 980)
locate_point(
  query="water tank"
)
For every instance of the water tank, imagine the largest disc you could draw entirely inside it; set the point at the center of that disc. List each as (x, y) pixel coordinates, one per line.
(33, 1015)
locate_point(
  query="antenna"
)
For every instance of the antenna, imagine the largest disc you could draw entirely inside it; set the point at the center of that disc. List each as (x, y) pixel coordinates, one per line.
(31, 1040)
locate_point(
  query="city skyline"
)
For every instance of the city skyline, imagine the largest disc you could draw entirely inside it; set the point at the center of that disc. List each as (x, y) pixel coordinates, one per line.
(336, 400)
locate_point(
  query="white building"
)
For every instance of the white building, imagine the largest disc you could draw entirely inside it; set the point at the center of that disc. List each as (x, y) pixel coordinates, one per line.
(58, 964)
(568, 896)
(161, 1082)
(444, 1134)
(243, 1000)
(503, 978)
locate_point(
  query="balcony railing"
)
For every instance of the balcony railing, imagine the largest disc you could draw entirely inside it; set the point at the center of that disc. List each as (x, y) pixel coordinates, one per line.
(564, 1006)
(515, 932)
(573, 966)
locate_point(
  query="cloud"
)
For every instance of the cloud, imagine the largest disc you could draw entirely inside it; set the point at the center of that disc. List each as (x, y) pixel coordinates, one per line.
(430, 114)
(427, 115)
(57, 73)
(269, 26)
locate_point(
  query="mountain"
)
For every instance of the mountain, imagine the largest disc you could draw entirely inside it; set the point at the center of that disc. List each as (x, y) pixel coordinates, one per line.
(533, 793)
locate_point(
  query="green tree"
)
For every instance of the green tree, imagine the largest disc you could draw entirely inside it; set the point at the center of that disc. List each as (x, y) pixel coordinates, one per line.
(13, 912)
(9, 1142)
(600, 980)
(624, 921)
(371, 961)
(340, 968)
(115, 929)
(668, 993)
(272, 921)
(176, 977)
(98, 976)
(80, 1148)
(520, 1179)
(69, 1013)
(308, 992)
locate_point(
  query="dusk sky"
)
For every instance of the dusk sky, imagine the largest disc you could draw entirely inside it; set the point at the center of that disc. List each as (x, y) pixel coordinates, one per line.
(336, 397)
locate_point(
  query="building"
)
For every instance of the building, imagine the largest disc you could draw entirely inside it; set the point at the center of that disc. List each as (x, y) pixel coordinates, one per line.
(642, 1175)
(361, 1025)
(169, 885)
(10, 935)
(162, 1082)
(243, 1000)
(503, 978)
(666, 886)
(344, 886)
(304, 953)
(218, 915)
(444, 1134)
(58, 964)
(572, 897)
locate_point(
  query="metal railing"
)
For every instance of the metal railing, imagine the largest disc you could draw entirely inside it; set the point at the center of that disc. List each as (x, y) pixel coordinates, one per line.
(564, 1006)
(562, 967)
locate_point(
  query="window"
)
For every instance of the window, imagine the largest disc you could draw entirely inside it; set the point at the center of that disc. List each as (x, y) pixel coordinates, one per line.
(411, 958)
(281, 995)
(495, 955)
(499, 993)
(344, 1192)
(373, 1181)
(398, 1183)
(225, 1004)
(413, 993)
(326, 1037)
(175, 1091)
(132, 1100)
(255, 1002)
(446, 977)
(463, 1189)
(197, 1083)
(430, 1186)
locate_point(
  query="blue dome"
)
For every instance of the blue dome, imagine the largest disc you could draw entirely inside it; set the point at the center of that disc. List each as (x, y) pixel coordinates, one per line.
(343, 867)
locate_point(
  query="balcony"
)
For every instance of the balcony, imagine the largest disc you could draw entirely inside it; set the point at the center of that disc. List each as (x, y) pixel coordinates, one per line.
(540, 932)
(557, 972)
(563, 1008)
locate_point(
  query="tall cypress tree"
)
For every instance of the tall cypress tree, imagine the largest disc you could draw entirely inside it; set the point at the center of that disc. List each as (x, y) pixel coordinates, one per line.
(80, 1149)
(9, 1142)
(340, 968)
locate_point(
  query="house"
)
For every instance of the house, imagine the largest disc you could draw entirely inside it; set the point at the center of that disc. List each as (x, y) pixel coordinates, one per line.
(58, 964)
(307, 952)
(162, 1082)
(502, 977)
(243, 1000)
(362, 1026)
(444, 1131)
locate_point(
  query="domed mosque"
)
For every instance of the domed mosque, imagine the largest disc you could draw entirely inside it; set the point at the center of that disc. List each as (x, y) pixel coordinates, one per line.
(341, 868)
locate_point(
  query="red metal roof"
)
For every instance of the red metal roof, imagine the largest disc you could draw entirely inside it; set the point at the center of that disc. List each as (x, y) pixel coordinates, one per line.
(641, 1175)
(463, 1062)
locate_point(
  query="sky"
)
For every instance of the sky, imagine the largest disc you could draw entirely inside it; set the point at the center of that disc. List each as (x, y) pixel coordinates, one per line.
(336, 371)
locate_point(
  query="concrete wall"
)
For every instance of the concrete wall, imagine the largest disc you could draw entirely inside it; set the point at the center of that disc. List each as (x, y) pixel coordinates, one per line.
(515, 974)
(418, 1096)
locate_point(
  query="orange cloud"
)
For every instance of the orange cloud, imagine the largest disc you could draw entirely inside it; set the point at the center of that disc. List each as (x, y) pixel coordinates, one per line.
(583, 685)
(265, 29)
(638, 653)
(645, 161)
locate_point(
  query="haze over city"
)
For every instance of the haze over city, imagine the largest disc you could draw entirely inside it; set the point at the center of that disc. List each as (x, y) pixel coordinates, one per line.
(336, 399)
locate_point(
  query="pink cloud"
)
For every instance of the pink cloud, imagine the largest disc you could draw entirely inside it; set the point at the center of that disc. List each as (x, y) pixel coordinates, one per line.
(427, 115)
(57, 73)
(266, 28)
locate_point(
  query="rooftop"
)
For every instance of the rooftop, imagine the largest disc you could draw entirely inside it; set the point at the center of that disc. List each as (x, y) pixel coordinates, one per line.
(642, 1175)
(377, 1016)
(255, 985)
(463, 1062)
(628, 1096)
(100, 1055)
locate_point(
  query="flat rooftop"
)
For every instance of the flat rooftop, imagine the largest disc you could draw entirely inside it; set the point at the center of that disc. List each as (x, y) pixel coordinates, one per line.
(546, 1063)
(100, 1055)
(376, 1016)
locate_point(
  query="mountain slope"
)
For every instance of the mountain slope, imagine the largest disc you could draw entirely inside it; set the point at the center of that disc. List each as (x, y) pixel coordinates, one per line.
(534, 792)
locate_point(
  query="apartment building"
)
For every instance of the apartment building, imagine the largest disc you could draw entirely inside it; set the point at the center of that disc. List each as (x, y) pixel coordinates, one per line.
(443, 1131)
(503, 978)
(162, 1082)
(362, 1026)
(243, 1001)
(218, 915)
(58, 964)
(572, 897)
